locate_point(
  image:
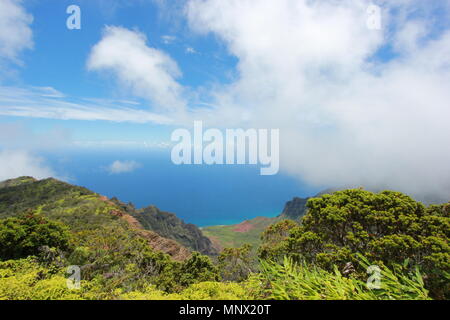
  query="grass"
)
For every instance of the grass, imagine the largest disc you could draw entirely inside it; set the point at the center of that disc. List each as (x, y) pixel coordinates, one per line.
(301, 281)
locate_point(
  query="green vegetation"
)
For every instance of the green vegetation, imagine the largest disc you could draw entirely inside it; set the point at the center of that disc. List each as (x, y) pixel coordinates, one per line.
(301, 281)
(83, 209)
(16, 182)
(272, 239)
(75, 206)
(27, 279)
(236, 264)
(48, 225)
(69, 225)
(24, 236)
(389, 228)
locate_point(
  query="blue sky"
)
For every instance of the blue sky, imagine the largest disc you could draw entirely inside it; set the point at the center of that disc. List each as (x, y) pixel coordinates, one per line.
(352, 102)
(59, 57)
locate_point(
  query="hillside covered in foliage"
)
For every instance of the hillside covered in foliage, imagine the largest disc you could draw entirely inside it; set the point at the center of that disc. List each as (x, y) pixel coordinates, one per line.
(63, 201)
(48, 226)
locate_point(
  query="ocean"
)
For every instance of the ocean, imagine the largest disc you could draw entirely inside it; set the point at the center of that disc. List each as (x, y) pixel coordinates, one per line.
(199, 194)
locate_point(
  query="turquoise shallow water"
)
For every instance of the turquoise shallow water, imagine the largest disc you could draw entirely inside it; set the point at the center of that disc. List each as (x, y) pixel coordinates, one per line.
(199, 194)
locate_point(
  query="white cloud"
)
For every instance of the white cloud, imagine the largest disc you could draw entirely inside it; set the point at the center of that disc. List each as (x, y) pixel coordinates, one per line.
(304, 67)
(16, 163)
(15, 32)
(49, 92)
(147, 72)
(123, 166)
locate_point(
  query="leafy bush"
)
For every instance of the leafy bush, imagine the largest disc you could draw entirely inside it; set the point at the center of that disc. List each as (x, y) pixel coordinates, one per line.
(25, 279)
(236, 264)
(24, 236)
(198, 268)
(273, 246)
(200, 291)
(388, 228)
(214, 291)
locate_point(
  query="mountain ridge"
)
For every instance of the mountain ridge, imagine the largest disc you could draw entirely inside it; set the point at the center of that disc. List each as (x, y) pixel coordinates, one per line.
(83, 209)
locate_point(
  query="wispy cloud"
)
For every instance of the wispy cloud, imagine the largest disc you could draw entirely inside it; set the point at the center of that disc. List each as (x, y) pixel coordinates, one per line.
(167, 39)
(49, 103)
(48, 92)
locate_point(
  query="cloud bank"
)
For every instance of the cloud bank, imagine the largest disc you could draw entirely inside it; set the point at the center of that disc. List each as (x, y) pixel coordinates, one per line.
(346, 117)
(16, 163)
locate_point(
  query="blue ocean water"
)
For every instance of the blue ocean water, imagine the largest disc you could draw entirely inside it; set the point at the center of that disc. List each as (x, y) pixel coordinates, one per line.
(200, 194)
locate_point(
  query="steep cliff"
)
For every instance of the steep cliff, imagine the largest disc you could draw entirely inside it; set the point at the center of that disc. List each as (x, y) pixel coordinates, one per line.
(170, 226)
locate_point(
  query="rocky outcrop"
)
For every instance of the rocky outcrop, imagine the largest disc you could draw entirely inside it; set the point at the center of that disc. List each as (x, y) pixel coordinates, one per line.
(169, 246)
(295, 209)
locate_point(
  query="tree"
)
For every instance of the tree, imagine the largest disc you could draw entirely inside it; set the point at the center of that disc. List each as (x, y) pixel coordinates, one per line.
(198, 268)
(388, 228)
(272, 240)
(235, 264)
(24, 236)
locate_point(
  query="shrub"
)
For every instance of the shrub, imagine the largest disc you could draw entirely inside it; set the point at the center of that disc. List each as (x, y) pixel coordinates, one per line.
(23, 236)
(214, 291)
(198, 268)
(25, 279)
(388, 228)
(236, 264)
